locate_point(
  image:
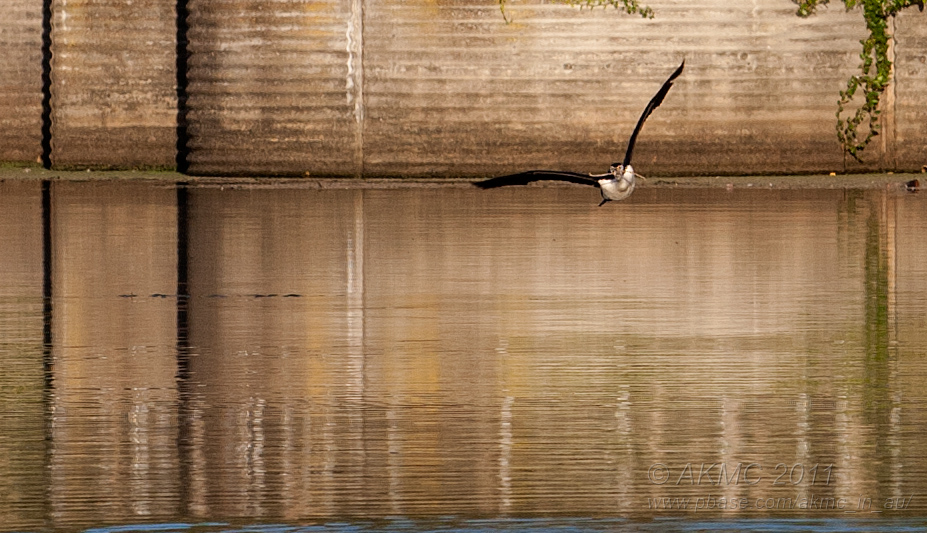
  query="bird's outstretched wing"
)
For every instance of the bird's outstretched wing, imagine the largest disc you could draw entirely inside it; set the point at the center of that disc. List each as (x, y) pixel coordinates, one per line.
(654, 103)
(524, 178)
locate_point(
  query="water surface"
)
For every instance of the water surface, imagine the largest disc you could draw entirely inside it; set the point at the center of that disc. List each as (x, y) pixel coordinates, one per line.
(421, 359)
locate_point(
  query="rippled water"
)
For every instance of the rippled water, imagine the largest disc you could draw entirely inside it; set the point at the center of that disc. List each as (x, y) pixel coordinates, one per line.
(208, 359)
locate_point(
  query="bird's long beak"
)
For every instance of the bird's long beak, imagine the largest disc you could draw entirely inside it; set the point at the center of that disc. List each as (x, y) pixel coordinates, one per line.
(604, 200)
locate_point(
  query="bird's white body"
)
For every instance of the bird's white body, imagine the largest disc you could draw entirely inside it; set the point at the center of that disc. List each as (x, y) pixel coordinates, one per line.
(619, 184)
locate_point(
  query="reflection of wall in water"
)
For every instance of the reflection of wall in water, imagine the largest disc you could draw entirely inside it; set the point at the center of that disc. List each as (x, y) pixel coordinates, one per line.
(22, 445)
(893, 371)
(397, 352)
(114, 350)
(273, 381)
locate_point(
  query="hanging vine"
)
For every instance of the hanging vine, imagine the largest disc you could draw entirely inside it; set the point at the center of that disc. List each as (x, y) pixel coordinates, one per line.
(630, 7)
(856, 129)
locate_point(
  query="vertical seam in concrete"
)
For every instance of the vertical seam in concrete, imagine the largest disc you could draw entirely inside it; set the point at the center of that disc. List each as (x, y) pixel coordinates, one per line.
(46, 83)
(181, 65)
(888, 105)
(355, 81)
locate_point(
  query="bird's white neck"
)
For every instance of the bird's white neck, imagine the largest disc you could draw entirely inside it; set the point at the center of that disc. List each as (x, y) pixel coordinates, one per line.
(620, 185)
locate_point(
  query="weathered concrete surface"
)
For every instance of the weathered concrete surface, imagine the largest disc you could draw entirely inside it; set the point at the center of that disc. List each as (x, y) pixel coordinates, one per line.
(273, 86)
(451, 89)
(909, 145)
(20, 80)
(113, 83)
(385, 88)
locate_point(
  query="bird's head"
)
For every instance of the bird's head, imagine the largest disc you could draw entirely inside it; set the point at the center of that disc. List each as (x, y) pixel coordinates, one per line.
(616, 170)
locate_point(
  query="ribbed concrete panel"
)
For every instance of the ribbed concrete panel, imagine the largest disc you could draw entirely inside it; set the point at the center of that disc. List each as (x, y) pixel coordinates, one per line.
(273, 86)
(910, 90)
(20, 80)
(113, 83)
(451, 89)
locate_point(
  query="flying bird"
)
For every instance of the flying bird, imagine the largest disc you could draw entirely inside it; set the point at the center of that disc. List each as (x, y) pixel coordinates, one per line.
(617, 184)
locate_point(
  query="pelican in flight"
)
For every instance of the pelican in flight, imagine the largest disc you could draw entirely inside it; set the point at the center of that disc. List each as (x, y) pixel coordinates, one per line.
(617, 184)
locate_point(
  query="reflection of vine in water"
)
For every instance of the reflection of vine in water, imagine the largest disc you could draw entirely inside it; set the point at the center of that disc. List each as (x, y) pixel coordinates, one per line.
(879, 313)
(877, 287)
(876, 70)
(630, 7)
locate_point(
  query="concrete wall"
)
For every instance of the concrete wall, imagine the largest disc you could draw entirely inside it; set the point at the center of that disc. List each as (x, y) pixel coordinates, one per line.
(113, 83)
(272, 87)
(456, 91)
(446, 88)
(20, 80)
(908, 149)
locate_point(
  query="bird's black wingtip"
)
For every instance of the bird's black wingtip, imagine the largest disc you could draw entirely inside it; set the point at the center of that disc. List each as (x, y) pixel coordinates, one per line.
(492, 183)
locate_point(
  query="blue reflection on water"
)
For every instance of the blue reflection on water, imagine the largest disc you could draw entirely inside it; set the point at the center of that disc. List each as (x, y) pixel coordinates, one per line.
(577, 525)
(146, 528)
